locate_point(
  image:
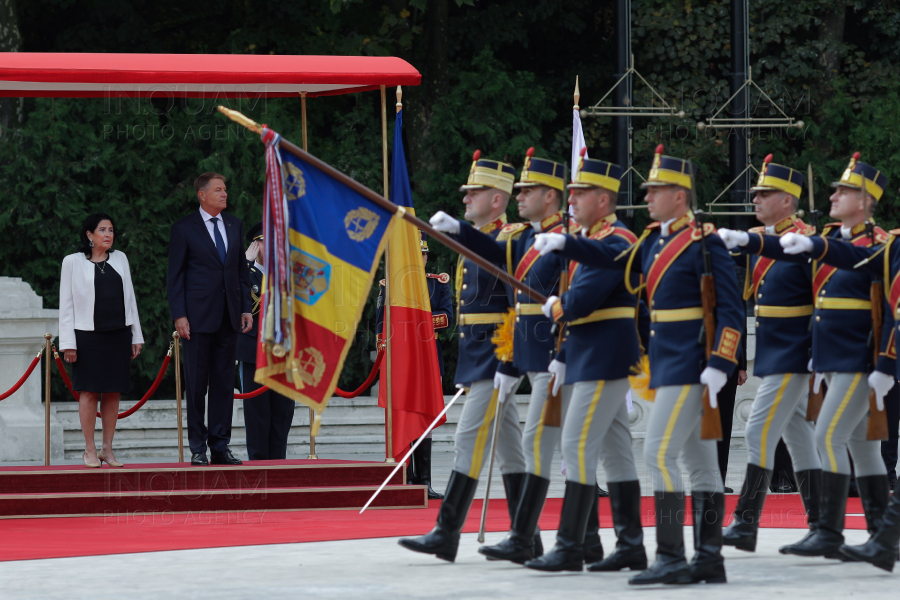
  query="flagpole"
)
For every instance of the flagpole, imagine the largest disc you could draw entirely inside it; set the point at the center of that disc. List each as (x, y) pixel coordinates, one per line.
(312, 414)
(386, 323)
(389, 206)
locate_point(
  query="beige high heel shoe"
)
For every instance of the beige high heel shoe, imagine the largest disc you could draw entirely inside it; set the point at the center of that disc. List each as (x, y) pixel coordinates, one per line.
(89, 465)
(113, 463)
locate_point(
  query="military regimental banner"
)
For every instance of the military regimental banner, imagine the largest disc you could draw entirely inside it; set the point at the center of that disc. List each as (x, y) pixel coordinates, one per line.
(325, 241)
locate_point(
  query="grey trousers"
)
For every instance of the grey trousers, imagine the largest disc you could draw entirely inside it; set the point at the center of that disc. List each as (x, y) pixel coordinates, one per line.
(538, 440)
(597, 425)
(476, 429)
(842, 426)
(779, 410)
(674, 429)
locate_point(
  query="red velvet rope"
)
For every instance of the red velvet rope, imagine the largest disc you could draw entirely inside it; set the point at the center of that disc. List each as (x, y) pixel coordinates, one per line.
(339, 392)
(133, 409)
(252, 394)
(27, 374)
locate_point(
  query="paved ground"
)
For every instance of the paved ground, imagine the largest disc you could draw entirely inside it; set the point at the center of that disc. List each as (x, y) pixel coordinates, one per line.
(379, 568)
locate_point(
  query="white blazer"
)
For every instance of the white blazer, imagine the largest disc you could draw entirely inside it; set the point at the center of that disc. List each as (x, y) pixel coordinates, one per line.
(76, 297)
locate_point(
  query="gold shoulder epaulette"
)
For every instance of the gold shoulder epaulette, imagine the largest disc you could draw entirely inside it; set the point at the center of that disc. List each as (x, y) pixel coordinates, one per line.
(574, 227)
(805, 228)
(511, 231)
(441, 277)
(708, 229)
(881, 236)
(830, 226)
(653, 225)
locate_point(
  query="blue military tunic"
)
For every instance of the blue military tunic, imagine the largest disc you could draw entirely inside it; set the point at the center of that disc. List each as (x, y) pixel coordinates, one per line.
(672, 266)
(513, 249)
(599, 310)
(246, 347)
(482, 303)
(782, 291)
(441, 309)
(842, 324)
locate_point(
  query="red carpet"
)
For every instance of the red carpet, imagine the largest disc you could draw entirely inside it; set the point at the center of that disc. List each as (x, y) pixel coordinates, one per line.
(22, 539)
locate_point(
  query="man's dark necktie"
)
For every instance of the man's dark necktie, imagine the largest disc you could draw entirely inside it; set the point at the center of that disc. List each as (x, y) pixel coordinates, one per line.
(220, 243)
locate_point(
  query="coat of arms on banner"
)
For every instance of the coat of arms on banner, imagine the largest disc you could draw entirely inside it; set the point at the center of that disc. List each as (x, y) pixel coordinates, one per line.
(361, 223)
(294, 184)
(312, 276)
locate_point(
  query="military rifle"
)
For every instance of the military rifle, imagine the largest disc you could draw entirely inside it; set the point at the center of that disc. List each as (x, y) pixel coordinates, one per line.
(876, 428)
(814, 402)
(711, 422)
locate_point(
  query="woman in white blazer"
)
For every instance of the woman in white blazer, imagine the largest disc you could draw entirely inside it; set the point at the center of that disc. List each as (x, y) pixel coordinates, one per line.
(99, 331)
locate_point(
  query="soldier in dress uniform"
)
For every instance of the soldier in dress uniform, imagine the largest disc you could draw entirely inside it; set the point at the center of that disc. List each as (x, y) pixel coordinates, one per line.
(598, 312)
(842, 350)
(782, 291)
(483, 302)
(267, 417)
(418, 471)
(670, 256)
(540, 186)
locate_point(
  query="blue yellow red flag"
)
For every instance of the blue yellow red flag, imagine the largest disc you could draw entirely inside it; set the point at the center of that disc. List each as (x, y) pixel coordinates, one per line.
(319, 277)
(410, 372)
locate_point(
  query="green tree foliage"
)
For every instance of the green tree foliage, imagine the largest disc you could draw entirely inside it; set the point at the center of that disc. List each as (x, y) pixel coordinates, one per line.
(497, 76)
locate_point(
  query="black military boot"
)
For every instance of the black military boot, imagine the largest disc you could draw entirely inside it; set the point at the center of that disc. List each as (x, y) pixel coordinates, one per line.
(512, 485)
(709, 513)
(881, 549)
(828, 536)
(875, 493)
(423, 468)
(519, 545)
(625, 500)
(568, 553)
(742, 532)
(670, 565)
(443, 540)
(593, 548)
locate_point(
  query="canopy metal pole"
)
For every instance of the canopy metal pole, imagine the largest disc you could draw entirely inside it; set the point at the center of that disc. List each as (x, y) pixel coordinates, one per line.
(312, 414)
(47, 338)
(388, 420)
(177, 340)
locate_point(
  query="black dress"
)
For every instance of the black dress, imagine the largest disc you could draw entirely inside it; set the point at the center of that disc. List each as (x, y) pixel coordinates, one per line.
(104, 355)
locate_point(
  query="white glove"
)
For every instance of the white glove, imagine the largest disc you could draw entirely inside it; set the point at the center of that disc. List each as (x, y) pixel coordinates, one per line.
(714, 380)
(504, 383)
(794, 243)
(817, 382)
(545, 243)
(558, 370)
(547, 308)
(881, 383)
(252, 250)
(809, 366)
(444, 222)
(732, 238)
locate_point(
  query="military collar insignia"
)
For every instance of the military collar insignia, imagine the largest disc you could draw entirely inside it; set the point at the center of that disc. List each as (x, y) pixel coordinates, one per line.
(682, 221)
(606, 221)
(494, 225)
(783, 225)
(549, 222)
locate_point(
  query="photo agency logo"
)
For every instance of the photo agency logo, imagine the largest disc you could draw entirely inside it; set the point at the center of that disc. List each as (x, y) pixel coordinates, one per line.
(178, 518)
(154, 109)
(183, 488)
(711, 114)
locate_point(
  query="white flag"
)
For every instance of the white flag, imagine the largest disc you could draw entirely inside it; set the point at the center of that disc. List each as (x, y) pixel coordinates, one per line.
(577, 141)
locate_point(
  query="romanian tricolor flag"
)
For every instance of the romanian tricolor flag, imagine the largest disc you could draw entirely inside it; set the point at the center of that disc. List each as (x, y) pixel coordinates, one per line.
(323, 243)
(409, 371)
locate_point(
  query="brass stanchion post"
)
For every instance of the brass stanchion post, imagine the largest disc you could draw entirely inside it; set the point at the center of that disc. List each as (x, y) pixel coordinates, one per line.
(388, 441)
(47, 359)
(178, 396)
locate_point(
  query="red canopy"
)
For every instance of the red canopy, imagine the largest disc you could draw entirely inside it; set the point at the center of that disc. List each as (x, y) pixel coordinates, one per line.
(72, 75)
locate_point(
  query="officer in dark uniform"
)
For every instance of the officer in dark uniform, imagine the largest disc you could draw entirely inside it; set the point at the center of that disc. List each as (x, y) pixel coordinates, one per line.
(599, 313)
(842, 332)
(669, 254)
(783, 292)
(418, 471)
(541, 184)
(483, 303)
(267, 417)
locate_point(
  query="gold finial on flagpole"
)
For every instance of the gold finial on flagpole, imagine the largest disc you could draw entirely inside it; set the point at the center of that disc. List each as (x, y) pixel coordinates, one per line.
(241, 119)
(399, 98)
(577, 94)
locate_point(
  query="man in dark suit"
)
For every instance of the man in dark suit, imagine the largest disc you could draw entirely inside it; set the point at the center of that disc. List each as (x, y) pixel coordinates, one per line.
(208, 287)
(267, 417)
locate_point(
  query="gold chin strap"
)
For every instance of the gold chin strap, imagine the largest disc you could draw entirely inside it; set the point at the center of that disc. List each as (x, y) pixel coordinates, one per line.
(634, 249)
